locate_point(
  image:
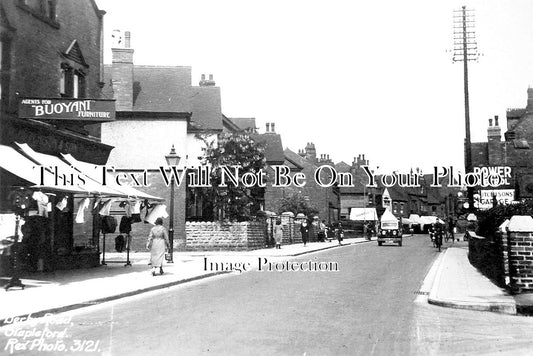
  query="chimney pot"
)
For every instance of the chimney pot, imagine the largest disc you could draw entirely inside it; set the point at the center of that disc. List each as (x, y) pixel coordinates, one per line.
(490, 122)
(272, 127)
(210, 76)
(203, 76)
(268, 127)
(495, 120)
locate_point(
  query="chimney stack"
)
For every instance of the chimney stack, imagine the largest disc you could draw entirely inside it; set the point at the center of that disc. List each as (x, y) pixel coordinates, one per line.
(529, 107)
(310, 152)
(495, 149)
(494, 132)
(122, 72)
(127, 39)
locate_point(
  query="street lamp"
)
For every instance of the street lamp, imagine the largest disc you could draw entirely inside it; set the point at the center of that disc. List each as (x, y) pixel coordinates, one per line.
(172, 160)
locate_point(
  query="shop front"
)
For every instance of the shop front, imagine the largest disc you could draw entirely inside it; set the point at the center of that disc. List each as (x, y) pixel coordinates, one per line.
(59, 217)
(55, 208)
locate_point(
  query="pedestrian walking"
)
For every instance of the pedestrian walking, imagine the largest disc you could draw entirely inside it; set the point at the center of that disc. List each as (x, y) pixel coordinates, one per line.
(157, 244)
(304, 229)
(339, 232)
(278, 233)
(322, 231)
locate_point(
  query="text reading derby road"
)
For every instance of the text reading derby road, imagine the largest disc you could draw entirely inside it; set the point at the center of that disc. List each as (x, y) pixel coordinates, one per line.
(281, 176)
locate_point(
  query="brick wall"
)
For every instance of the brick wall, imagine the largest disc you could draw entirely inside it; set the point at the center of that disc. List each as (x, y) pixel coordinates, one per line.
(216, 236)
(521, 260)
(37, 46)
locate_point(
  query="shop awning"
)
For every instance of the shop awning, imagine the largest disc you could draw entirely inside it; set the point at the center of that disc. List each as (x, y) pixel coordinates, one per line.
(363, 214)
(15, 163)
(406, 221)
(415, 218)
(27, 165)
(95, 172)
(428, 220)
(86, 185)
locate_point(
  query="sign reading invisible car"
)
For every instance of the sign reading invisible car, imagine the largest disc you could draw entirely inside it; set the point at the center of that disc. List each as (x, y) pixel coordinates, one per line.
(67, 109)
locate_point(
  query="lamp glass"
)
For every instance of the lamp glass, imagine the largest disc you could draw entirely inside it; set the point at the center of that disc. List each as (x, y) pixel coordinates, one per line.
(172, 158)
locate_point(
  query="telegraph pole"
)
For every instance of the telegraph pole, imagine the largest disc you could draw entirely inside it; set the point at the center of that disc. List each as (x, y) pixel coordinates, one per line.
(465, 50)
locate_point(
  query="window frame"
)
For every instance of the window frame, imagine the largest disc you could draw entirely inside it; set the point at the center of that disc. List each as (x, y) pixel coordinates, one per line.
(47, 11)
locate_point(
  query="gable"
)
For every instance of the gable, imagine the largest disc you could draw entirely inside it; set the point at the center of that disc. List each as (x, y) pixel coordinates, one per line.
(74, 53)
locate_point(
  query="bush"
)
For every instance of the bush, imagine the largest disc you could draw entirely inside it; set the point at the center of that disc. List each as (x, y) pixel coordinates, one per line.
(490, 220)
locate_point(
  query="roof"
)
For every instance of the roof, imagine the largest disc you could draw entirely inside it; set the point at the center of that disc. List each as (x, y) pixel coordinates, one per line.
(273, 147)
(169, 89)
(244, 123)
(342, 167)
(206, 107)
(229, 124)
(296, 159)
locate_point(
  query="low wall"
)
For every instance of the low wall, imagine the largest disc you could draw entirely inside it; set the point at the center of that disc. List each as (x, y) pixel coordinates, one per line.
(217, 236)
(506, 258)
(487, 256)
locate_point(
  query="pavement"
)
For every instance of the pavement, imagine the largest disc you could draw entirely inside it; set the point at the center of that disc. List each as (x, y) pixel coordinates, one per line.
(457, 284)
(452, 281)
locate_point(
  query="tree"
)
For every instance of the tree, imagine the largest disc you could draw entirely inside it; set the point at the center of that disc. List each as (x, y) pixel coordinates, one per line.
(295, 203)
(240, 155)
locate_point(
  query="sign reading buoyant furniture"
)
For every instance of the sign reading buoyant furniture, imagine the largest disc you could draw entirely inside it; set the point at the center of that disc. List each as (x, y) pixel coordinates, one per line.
(67, 109)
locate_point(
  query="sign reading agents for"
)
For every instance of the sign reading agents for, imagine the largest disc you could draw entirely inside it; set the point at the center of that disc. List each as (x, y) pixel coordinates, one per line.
(485, 198)
(67, 109)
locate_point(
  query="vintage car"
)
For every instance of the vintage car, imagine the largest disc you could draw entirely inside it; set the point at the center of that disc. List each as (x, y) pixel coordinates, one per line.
(390, 229)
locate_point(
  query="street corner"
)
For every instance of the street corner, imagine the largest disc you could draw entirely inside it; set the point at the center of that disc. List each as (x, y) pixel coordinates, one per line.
(457, 284)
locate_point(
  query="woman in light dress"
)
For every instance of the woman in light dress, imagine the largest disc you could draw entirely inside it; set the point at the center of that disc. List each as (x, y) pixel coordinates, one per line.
(157, 244)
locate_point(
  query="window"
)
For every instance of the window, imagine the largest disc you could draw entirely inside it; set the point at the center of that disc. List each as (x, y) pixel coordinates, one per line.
(71, 82)
(44, 10)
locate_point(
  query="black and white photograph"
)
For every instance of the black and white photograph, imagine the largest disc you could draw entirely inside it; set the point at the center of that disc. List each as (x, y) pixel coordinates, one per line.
(283, 177)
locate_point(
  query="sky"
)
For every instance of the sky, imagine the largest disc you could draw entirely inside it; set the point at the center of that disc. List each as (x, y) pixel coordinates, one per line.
(353, 77)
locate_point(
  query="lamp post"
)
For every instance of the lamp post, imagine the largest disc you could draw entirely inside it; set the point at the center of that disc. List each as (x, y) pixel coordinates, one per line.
(172, 160)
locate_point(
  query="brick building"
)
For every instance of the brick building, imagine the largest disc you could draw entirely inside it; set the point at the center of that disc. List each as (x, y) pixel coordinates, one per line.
(513, 151)
(51, 63)
(325, 200)
(358, 196)
(158, 107)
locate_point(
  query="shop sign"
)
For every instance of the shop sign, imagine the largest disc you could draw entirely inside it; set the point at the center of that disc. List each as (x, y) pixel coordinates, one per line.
(67, 109)
(484, 199)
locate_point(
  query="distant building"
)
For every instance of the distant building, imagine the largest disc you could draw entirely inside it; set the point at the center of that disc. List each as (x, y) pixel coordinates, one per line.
(513, 151)
(325, 200)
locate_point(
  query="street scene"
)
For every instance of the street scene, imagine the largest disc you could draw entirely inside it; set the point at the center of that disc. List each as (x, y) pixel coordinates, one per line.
(283, 178)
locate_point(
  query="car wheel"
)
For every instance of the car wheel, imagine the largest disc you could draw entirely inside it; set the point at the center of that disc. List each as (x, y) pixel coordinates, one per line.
(379, 243)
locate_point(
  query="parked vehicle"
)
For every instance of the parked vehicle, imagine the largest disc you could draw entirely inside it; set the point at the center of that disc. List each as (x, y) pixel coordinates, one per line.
(390, 229)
